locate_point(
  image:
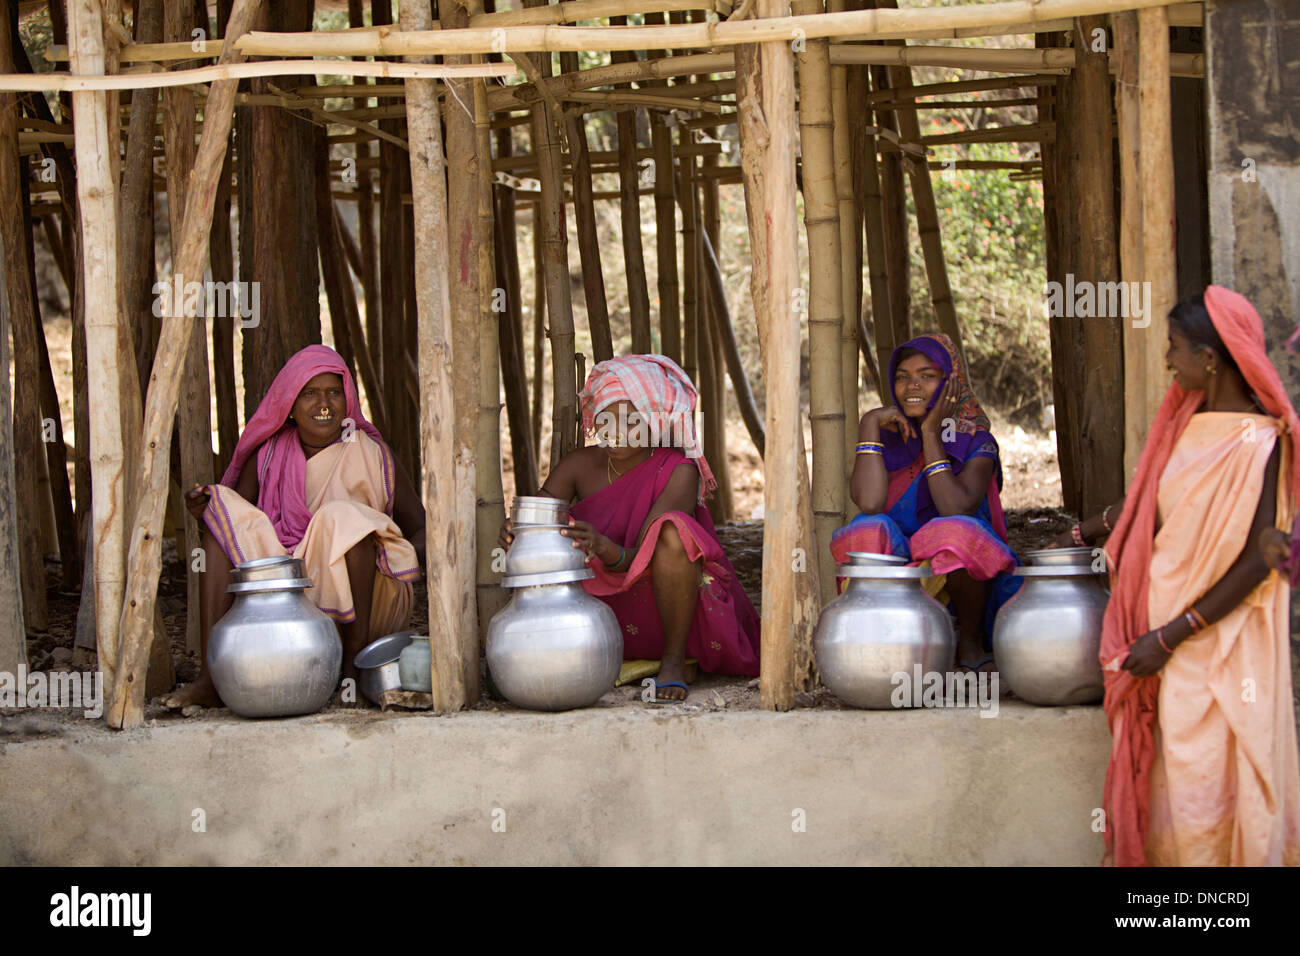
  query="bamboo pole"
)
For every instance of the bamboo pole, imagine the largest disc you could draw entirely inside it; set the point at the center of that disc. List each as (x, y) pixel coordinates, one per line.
(688, 200)
(447, 453)
(711, 237)
(1156, 171)
(513, 376)
(1180, 14)
(137, 607)
(13, 632)
(670, 323)
(195, 425)
(490, 495)
(539, 329)
(897, 241)
(881, 23)
(825, 301)
(549, 226)
(850, 255)
(584, 214)
(638, 294)
(717, 289)
(765, 94)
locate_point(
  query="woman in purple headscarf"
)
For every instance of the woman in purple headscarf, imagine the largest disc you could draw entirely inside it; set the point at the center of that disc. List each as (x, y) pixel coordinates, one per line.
(926, 480)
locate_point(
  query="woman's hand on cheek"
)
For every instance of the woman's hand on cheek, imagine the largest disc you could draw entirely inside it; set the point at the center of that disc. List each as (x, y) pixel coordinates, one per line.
(933, 422)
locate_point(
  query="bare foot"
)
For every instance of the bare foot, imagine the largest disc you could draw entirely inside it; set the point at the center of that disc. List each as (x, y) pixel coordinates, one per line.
(200, 693)
(671, 669)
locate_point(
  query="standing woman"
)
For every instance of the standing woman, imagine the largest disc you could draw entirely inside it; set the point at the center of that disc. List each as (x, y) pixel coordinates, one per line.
(1203, 767)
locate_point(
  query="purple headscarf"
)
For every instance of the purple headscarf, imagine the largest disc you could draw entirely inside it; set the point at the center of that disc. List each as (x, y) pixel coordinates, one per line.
(971, 431)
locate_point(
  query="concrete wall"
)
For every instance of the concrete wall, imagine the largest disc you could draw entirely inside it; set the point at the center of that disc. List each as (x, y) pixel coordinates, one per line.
(1253, 90)
(605, 786)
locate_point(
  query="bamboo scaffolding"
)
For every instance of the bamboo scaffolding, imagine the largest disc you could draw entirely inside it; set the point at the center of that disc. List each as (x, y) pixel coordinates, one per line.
(138, 604)
(670, 323)
(825, 295)
(447, 455)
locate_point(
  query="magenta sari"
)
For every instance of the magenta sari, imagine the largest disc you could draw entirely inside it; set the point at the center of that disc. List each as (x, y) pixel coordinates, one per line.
(724, 634)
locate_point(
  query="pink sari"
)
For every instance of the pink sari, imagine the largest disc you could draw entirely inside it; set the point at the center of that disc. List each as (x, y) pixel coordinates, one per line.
(724, 634)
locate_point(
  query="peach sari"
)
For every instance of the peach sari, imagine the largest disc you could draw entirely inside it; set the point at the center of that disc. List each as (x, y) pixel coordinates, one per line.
(1225, 779)
(349, 492)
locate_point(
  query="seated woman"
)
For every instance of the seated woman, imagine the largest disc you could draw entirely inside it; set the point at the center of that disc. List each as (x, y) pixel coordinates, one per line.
(328, 491)
(639, 516)
(926, 480)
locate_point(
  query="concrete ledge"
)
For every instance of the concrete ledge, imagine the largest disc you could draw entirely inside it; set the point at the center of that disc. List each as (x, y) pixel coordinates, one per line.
(602, 786)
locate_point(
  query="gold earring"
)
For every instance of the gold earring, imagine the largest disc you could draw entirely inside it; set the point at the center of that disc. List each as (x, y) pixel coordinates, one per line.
(1211, 369)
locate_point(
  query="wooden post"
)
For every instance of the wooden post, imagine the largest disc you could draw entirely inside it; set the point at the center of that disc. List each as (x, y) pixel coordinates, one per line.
(638, 294)
(825, 293)
(765, 97)
(876, 231)
(710, 237)
(447, 456)
(549, 225)
(1156, 169)
(1144, 382)
(22, 318)
(1101, 405)
(584, 215)
(539, 329)
(137, 607)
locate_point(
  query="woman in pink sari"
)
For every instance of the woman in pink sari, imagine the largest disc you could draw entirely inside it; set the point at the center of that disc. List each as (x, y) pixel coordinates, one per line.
(1195, 651)
(639, 514)
(312, 478)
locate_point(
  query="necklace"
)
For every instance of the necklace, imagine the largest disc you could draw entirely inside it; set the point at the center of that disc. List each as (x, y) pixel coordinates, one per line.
(612, 471)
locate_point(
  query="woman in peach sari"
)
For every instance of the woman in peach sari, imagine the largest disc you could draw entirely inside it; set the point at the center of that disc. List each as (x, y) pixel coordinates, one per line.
(312, 478)
(1195, 649)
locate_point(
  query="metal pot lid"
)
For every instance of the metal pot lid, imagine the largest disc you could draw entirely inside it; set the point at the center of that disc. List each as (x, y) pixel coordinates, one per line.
(383, 651)
(280, 584)
(279, 568)
(521, 528)
(882, 571)
(869, 558)
(1056, 571)
(547, 577)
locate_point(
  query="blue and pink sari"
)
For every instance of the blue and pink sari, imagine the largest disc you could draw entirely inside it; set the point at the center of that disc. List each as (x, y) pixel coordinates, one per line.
(910, 526)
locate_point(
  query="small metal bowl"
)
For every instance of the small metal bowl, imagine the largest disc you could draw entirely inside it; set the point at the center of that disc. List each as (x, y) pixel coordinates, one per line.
(376, 664)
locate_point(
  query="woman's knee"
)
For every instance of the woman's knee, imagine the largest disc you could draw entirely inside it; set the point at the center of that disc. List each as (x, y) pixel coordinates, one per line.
(669, 547)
